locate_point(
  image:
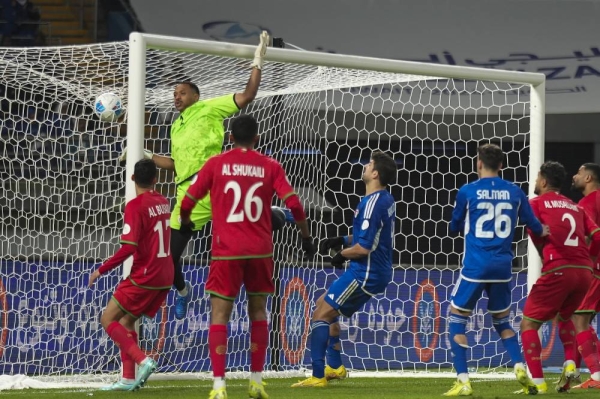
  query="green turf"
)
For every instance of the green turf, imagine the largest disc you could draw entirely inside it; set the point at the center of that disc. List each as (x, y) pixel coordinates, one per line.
(280, 388)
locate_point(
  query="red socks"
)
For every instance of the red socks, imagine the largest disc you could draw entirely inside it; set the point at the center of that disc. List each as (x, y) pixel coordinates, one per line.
(217, 342)
(532, 348)
(259, 340)
(566, 333)
(127, 361)
(125, 341)
(586, 341)
(595, 338)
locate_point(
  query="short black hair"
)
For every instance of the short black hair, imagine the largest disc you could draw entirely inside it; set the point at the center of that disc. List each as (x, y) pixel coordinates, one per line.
(191, 84)
(593, 169)
(554, 173)
(244, 128)
(491, 155)
(144, 173)
(385, 166)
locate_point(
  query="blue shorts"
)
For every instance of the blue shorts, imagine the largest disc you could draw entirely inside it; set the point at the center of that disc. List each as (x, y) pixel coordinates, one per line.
(346, 294)
(466, 294)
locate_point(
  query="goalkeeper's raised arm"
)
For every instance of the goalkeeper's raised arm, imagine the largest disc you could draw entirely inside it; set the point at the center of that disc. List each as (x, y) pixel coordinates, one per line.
(187, 94)
(196, 135)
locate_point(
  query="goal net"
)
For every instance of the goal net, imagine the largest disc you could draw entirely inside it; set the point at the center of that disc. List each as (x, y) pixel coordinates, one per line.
(321, 116)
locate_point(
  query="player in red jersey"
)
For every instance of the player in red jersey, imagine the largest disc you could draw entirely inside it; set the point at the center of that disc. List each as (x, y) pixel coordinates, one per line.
(242, 183)
(146, 236)
(566, 270)
(587, 180)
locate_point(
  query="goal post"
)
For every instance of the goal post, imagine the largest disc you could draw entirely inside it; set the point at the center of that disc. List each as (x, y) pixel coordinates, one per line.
(384, 71)
(536, 81)
(64, 193)
(536, 159)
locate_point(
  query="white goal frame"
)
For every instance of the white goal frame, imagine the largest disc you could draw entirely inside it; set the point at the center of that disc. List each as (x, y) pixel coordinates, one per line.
(139, 42)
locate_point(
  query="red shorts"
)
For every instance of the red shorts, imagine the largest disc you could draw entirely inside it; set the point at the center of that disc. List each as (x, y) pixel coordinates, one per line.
(225, 277)
(558, 292)
(138, 301)
(591, 302)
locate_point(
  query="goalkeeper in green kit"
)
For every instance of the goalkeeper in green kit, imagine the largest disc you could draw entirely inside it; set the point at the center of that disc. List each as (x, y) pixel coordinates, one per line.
(196, 135)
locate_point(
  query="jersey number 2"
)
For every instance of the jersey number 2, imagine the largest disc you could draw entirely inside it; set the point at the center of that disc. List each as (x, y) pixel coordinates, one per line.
(572, 240)
(158, 227)
(502, 222)
(237, 215)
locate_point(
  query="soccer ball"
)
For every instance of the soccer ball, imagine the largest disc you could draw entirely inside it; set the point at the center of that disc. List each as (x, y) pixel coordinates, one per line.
(108, 107)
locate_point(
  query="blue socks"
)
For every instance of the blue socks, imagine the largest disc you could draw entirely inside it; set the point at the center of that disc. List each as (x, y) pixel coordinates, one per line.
(510, 344)
(334, 356)
(318, 345)
(458, 326)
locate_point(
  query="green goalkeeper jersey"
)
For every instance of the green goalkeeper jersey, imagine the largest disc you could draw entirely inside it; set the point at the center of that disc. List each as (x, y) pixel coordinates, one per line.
(198, 134)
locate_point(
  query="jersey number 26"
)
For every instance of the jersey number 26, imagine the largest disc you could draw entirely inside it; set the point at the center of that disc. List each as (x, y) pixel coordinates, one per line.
(237, 213)
(502, 222)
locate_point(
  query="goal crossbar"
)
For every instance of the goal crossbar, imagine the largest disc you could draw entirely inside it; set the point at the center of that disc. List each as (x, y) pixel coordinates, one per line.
(139, 42)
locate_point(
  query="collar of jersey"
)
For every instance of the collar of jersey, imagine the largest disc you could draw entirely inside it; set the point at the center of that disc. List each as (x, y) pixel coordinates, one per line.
(192, 109)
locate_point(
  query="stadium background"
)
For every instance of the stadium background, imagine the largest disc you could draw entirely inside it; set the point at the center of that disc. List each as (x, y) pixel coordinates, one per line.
(558, 38)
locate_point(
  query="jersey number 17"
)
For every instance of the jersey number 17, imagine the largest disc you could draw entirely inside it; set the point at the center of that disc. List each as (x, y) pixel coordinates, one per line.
(162, 243)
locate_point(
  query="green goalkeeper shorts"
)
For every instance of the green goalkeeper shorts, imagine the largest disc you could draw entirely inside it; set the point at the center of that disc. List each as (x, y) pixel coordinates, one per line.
(201, 213)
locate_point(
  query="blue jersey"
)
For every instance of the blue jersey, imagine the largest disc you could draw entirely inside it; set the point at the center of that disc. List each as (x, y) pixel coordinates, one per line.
(373, 229)
(487, 211)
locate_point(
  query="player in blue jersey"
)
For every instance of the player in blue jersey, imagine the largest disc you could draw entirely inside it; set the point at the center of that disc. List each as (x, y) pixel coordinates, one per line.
(369, 250)
(486, 211)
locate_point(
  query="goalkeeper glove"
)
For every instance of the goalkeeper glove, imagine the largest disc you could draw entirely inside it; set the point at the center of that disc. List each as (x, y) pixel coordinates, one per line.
(123, 157)
(187, 227)
(261, 50)
(329, 243)
(338, 260)
(308, 247)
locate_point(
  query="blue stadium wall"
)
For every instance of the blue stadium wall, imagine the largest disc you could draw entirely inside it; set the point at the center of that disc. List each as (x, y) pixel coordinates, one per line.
(403, 329)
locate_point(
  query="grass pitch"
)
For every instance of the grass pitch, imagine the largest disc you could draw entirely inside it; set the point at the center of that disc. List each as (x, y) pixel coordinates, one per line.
(378, 388)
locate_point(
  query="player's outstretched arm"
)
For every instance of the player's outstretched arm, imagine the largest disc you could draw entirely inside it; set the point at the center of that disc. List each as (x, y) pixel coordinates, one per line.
(163, 162)
(245, 98)
(292, 202)
(118, 258)
(93, 277)
(160, 161)
(199, 189)
(354, 252)
(528, 215)
(335, 243)
(308, 246)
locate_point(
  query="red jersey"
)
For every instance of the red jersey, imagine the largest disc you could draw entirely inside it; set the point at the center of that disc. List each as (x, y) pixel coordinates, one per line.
(569, 226)
(242, 183)
(147, 235)
(591, 204)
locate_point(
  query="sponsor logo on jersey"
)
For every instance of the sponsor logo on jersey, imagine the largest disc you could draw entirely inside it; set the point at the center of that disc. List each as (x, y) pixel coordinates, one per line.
(295, 318)
(233, 31)
(426, 320)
